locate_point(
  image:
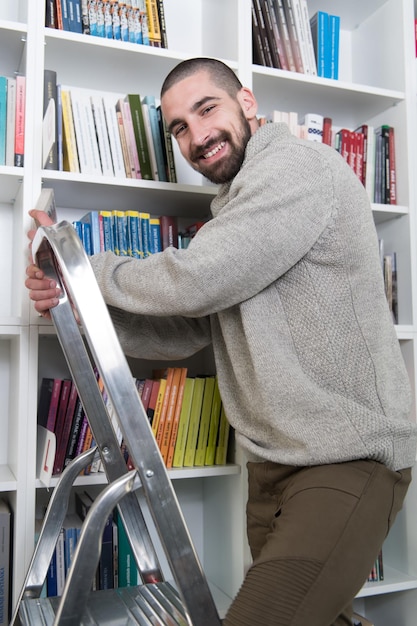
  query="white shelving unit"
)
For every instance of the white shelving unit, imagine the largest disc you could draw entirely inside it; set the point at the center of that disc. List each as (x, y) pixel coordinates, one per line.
(376, 85)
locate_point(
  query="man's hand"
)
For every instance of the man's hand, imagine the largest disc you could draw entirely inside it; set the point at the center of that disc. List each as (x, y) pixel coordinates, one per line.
(42, 290)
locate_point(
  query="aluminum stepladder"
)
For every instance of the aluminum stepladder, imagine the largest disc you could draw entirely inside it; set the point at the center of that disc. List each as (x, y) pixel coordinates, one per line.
(88, 339)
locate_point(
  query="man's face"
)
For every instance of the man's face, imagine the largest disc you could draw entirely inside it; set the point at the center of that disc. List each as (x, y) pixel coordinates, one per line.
(211, 128)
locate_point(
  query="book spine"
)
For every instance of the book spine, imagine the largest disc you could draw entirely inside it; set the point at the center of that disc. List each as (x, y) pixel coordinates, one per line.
(70, 152)
(293, 35)
(285, 35)
(10, 120)
(153, 23)
(102, 135)
(334, 35)
(140, 135)
(19, 141)
(3, 118)
(162, 23)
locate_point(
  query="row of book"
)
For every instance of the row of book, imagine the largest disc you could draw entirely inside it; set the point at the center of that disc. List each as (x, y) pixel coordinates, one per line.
(12, 120)
(116, 567)
(285, 37)
(122, 137)
(186, 415)
(132, 233)
(135, 21)
(369, 150)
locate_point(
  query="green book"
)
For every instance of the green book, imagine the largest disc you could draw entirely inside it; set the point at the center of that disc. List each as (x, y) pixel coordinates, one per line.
(197, 401)
(214, 425)
(140, 135)
(200, 454)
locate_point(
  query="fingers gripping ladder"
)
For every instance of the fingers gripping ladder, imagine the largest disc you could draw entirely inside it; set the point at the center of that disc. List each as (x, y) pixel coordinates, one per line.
(58, 251)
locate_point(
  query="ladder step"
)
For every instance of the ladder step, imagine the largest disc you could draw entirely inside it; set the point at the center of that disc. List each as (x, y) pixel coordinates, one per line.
(153, 604)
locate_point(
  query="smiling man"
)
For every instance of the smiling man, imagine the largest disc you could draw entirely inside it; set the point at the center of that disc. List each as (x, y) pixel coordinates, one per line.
(285, 283)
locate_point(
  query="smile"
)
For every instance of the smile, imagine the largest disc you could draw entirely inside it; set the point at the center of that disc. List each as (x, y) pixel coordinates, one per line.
(214, 151)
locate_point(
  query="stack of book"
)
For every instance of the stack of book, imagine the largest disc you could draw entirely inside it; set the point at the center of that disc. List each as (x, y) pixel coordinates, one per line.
(12, 120)
(369, 151)
(185, 413)
(284, 37)
(135, 21)
(132, 233)
(107, 135)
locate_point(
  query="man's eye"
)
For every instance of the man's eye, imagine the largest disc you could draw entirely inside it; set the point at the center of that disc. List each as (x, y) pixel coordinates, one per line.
(179, 130)
(208, 109)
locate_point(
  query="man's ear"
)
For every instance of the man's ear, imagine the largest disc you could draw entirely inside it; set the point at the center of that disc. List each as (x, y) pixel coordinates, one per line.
(248, 103)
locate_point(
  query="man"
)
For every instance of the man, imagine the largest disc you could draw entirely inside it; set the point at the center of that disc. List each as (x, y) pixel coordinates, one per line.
(285, 281)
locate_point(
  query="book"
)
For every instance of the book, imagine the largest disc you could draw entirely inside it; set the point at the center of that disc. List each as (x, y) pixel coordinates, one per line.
(314, 126)
(70, 149)
(307, 28)
(150, 411)
(92, 218)
(281, 17)
(270, 41)
(156, 139)
(130, 139)
(10, 120)
(3, 118)
(140, 135)
(155, 244)
(300, 28)
(392, 173)
(169, 231)
(19, 137)
(334, 36)
(112, 125)
(293, 36)
(368, 158)
(151, 146)
(102, 135)
(194, 423)
(5, 561)
(169, 377)
(50, 96)
(258, 54)
(158, 406)
(73, 408)
(85, 134)
(222, 439)
(126, 564)
(183, 423)
(64, 396)
(53, 406)
(44, 401)
(176, 420)
(173, 410)
(203, 430)
(319, 24)
(153, 23)
(167, 148)
(214, 425)
(46, 203)
(327, 131)
(162, 23)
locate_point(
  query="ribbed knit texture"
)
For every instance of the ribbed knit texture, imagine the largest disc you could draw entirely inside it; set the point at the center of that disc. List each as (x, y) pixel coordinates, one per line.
(286, 281)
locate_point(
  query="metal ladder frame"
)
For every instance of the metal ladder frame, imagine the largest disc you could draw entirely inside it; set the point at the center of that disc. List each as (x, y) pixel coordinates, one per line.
(82, 312)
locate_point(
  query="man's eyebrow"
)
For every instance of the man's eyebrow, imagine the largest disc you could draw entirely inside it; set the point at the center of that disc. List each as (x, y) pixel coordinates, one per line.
(193, 109)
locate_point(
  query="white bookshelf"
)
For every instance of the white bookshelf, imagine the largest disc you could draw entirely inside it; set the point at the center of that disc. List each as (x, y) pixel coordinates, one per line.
(377, 78)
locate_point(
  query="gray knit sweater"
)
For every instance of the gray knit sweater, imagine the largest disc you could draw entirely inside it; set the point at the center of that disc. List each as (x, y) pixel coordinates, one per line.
(286, 283)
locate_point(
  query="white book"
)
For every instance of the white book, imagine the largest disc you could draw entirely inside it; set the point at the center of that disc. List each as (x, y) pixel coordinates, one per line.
(87, 145)
(310, 46)
(102, 134)
(109, 104)
(301, 34)
(10, 120)
(314, 126)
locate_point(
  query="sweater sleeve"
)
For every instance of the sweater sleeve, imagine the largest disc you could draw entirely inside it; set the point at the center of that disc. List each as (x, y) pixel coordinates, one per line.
(276, 208)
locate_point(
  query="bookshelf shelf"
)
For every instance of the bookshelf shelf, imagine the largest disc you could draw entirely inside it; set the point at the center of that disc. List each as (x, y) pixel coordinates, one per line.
(377, 84)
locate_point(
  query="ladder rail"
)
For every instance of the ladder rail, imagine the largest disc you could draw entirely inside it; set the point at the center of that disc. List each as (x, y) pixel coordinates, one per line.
(61, 244)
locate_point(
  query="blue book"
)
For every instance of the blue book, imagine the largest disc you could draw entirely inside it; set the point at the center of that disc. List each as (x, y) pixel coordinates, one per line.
(156, 136)
(134, 246)
(155, 244)
(320, 34)
(334, 34)
(106, 220)
(92, 218)
(120, 229)
(144, 219)
(65, 15)
(3, 118)
(74, 14)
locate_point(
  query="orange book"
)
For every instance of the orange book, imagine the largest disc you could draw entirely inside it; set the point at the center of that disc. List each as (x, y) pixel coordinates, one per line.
(158, 406)
(165, 404)
(170, 412)
(174, 427)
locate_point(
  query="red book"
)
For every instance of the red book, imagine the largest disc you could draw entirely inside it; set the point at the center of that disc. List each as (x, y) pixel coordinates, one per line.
(63, 434)
(53, 406)
(327, 131)
(63, 403)
(150, 411)
(19, 136)
(169, 231)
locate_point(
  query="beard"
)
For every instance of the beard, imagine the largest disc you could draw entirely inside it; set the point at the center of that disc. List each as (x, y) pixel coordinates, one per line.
(225, 169)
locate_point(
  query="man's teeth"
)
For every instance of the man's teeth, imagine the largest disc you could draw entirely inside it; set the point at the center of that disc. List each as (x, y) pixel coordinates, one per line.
(215, 150)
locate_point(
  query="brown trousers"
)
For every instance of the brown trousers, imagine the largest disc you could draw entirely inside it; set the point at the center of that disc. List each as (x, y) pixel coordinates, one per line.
(314, 534)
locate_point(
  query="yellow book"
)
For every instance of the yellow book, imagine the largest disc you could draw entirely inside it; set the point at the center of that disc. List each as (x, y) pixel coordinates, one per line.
(71, 163)
(184, 420)
(214, 425)
(197, 401)
(223, 439)
(200, 453)
(153, 23)
(158, 407)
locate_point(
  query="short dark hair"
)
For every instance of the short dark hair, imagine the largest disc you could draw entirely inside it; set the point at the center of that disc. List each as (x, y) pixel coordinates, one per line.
(220, 73)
